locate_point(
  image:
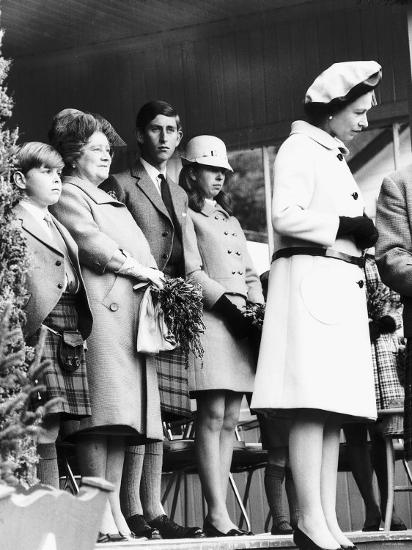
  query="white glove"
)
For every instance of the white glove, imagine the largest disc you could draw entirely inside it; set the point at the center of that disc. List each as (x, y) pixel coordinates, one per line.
(132, 268)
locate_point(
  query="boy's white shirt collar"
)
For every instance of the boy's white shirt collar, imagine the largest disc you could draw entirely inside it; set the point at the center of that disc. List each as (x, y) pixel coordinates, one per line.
(38, 214)
(153, 173)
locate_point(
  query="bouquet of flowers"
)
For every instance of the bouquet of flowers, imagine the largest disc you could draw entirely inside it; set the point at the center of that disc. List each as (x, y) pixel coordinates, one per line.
(181, 302)
(381, 300)
(256, 312)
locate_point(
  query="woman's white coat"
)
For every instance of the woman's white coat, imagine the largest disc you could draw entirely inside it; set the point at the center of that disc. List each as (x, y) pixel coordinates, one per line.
(315, 350)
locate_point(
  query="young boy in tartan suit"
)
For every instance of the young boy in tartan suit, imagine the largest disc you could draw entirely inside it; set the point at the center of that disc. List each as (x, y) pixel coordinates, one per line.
(159, 207)
(56, 299)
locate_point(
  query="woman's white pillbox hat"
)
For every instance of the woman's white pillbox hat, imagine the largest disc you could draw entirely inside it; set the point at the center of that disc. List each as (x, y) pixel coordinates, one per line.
(207, 150)
(339, 79)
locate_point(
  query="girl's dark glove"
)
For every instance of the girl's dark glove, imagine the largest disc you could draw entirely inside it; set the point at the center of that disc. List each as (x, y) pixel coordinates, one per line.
(384, 325)
(387, 324)
(254, 338)
(237, 323)
(361, 228)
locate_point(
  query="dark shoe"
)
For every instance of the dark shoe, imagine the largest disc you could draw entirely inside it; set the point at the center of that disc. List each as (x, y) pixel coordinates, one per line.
(139, 526)
(303, 542)
(372, 525)
(398, 525)
(168, 529)
(110, 537)
(281, 528)
(248, 533)
(211, 531)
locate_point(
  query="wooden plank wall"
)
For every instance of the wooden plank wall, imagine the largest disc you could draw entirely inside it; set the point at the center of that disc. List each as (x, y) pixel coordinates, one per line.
(242, 79)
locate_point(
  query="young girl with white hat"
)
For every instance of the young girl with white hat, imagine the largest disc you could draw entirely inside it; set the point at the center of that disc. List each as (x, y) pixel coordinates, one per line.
(228, 280)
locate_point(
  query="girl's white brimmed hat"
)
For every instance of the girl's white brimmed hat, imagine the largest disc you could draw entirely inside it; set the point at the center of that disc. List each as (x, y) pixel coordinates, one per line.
(206, 150)
(339, 79)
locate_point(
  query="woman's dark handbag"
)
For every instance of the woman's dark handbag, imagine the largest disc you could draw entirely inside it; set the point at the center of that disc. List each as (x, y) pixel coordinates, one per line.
(70, 350)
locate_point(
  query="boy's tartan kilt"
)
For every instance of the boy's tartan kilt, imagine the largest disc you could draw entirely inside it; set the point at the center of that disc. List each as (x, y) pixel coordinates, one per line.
(173, 383)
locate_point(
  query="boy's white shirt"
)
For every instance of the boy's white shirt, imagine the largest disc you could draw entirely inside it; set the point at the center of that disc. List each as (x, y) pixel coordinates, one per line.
(154, 174)
(39, 215)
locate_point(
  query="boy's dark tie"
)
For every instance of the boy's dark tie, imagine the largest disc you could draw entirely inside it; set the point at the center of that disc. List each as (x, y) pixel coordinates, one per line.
(173, 267)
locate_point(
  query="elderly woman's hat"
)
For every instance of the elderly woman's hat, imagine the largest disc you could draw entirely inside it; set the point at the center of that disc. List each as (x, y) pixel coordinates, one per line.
(340, 80)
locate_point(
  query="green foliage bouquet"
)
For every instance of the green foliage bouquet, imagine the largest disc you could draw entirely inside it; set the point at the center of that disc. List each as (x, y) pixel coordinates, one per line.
(181, 302)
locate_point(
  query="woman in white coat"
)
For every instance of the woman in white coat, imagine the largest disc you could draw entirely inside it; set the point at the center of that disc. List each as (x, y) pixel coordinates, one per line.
(315, 360)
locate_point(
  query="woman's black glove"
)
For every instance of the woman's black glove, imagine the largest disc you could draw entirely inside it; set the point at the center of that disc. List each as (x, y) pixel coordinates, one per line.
(387, 324)
(238, 324)
(361, 228)
(384, 325)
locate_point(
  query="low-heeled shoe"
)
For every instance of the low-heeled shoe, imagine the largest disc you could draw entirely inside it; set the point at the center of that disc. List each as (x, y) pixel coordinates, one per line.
(110, 537)
(211, 531)
(139, 526)
(281, 528)
(169, 529)
(304, 542)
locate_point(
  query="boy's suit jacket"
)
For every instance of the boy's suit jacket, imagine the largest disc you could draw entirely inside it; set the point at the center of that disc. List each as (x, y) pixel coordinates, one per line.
(136, 190)
(46, 276)
(394, 246)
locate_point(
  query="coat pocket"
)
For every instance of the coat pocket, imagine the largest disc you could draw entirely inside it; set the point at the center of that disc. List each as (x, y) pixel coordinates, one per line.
(328, 290)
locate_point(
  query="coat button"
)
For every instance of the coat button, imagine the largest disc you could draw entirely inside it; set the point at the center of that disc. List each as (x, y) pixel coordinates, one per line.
(240, 272)
(237, 253)
(355, 196)
(58, 262)
(234, 234)
(165, 234)
(164, 256)
(114, 306)
(229, 252)
(216, 217)
(59, 285)
(233, 272)
(360, 283)
(226, 233)
(340, 156)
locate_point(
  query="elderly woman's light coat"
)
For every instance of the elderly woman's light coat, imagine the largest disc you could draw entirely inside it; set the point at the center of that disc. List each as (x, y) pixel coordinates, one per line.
(315, 351)
(124, 392)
